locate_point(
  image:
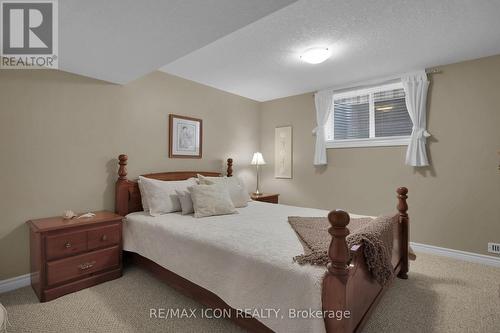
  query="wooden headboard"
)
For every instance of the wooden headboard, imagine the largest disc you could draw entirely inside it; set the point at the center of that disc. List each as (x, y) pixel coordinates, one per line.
(128, 196)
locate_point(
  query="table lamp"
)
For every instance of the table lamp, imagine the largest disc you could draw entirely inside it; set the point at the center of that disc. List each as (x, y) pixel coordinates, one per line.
(258, 160)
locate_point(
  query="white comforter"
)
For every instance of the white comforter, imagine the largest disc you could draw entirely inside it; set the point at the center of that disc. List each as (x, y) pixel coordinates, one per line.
(245, 259)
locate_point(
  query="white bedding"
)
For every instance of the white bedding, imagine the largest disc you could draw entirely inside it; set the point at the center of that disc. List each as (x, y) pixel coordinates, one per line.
(245, 258)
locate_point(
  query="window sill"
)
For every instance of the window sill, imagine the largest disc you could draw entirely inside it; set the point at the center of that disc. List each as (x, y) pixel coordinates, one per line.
(371, 142)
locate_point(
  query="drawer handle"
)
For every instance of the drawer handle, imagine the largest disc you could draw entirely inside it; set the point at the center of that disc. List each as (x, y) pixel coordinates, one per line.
(67, 245)
(104, 238)
(86, 265)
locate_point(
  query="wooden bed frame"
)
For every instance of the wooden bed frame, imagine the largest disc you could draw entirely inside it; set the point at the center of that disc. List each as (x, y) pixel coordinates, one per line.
(348, 284)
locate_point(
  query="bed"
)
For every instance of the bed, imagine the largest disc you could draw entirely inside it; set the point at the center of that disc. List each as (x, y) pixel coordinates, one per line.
(242, 263)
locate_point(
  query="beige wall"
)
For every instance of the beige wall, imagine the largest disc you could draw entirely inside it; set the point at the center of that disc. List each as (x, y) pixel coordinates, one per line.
(454, 204)
(60, 135)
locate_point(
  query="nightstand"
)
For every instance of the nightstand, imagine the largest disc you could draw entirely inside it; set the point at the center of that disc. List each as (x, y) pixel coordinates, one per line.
(70, 255)
(266, 197)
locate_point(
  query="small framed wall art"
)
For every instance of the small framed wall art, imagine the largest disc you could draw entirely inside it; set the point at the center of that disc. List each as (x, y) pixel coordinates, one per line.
(185, 137)
(283, 152)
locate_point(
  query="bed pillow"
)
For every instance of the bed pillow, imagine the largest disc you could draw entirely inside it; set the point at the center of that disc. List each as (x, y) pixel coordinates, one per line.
(160, 195)
(186, 202)
(236, 188)
(145, 205)
(210, 200)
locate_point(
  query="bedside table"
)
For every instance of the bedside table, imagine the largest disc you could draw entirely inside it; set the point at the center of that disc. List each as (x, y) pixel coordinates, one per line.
(70, 255)
(266, 197)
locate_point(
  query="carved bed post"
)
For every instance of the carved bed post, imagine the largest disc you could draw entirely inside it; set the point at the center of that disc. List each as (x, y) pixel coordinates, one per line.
(338, 252)
(335, 283)
(404, 220)
(229, 167)
(122, 171)
(121, 205)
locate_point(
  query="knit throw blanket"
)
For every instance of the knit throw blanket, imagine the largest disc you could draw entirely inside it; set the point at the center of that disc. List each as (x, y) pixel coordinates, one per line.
(375, 234)
(3, 319)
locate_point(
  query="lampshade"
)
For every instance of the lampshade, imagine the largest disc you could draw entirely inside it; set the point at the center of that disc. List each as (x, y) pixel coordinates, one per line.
(258, 159)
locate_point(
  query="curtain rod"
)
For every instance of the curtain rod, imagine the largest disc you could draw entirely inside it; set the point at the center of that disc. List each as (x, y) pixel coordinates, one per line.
(359, 85)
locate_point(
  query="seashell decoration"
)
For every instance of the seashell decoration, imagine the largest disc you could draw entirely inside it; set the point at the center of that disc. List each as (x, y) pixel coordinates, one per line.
(69, 214)
(86, 215)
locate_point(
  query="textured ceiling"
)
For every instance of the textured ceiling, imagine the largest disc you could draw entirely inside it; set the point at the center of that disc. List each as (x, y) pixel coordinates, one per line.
(121, 40)
(370, 39)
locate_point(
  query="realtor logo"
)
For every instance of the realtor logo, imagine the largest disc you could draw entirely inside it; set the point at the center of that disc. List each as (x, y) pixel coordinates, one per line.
(29, 34)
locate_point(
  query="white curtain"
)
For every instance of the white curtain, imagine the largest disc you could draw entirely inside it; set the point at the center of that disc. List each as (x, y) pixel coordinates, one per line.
(415, 86)
(324, 104)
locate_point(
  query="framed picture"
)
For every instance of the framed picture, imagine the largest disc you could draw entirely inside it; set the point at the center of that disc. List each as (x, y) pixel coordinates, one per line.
(283, 152)
(185, 136)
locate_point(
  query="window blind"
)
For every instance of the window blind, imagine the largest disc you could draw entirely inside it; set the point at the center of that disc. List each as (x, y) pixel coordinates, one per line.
(351, 118)
(369, 117)
(391, 115)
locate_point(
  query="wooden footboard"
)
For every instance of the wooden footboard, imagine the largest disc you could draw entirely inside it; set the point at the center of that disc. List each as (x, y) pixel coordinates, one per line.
(349, 291)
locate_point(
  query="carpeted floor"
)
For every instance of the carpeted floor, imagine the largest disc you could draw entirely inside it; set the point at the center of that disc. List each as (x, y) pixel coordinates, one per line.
(442, 295)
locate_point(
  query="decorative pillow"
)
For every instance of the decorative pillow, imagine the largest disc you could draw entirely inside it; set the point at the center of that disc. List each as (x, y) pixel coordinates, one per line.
(236, 188)
(209, 200)
(160, 195)
(186, 202)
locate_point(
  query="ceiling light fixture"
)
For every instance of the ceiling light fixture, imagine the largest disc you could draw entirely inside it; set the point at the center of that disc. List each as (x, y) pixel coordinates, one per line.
(316, 55)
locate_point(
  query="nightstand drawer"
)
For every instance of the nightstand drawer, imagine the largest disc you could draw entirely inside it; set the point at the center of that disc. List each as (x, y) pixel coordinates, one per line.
(64, 245)
(104, 236)
(70, 255)
(66, 269)
(271, 198)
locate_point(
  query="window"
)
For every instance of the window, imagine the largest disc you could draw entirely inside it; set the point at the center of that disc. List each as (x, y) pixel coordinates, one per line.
(369, 117)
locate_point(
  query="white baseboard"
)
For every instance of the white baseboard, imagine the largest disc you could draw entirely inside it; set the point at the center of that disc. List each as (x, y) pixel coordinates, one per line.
(15, 283)
(457, 254)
